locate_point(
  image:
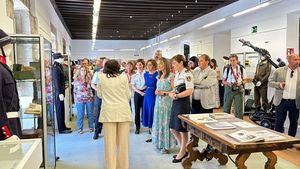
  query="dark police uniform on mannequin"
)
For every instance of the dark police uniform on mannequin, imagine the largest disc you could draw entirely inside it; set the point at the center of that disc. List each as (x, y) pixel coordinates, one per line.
(183, 80)
(9, 99)
(260, 81)
(59, 86)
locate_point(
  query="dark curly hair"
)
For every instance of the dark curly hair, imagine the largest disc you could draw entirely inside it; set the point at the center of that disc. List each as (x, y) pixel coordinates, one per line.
(112, 68)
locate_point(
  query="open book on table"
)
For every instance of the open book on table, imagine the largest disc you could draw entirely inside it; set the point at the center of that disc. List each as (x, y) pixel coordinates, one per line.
(245, 136)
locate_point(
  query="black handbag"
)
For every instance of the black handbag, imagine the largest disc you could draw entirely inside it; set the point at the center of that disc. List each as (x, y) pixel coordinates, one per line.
(180, 88)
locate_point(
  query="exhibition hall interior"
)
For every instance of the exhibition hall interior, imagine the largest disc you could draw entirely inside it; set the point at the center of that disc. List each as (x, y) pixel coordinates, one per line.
(149, 84)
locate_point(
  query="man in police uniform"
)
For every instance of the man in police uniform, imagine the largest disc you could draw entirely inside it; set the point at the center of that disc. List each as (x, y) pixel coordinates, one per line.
(59, 86)
(260, 81)
(9, 99)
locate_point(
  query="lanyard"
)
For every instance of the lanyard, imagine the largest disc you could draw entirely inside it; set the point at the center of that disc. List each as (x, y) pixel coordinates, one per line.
(236, 76)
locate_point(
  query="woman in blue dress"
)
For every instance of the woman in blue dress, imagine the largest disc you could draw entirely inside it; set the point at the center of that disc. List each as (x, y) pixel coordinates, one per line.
(149, 99)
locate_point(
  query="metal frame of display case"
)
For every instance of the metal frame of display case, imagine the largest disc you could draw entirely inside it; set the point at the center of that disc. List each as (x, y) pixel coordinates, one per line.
(43, 95)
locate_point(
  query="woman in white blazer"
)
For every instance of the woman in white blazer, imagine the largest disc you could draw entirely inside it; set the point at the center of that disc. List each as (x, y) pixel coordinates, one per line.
(115, 115)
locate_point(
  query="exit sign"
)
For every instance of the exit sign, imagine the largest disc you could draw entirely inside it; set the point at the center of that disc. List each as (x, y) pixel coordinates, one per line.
(254, 29)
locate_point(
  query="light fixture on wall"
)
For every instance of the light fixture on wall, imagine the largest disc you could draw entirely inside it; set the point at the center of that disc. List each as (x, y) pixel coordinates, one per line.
(251, 9)
(106, 50)
(127, 50)
(175, 37)
(213, 23)
(96, 11)
(166, 40)
(154, 44)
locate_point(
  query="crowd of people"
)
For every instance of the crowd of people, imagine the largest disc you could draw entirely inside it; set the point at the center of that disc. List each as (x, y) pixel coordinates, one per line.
(161, 89)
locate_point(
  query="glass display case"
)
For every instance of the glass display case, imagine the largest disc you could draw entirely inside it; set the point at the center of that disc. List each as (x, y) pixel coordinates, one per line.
(21, 154)
(32, 70)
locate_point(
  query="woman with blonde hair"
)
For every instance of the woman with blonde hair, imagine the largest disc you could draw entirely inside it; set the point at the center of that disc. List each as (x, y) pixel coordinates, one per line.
(84, 98)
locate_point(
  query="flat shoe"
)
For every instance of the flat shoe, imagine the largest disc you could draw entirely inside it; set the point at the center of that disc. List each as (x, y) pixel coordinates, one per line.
(179, 160)
(149, 140)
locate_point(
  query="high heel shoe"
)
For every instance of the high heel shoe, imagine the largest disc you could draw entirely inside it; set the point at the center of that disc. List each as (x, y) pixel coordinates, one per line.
(179, 160)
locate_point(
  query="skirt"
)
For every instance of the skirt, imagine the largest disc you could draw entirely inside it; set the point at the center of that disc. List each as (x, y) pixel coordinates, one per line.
(180, 106)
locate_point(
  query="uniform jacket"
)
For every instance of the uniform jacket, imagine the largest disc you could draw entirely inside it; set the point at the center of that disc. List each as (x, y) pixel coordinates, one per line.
(58, 78)
(262, 73)
(9, 99)
(279, 76)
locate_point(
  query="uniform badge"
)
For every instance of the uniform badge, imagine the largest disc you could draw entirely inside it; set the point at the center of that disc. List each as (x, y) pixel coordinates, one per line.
(188, 78)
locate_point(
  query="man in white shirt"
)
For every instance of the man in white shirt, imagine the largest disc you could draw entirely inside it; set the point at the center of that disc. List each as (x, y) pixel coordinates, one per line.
(233, 79)
(98, 101)
(287, 95)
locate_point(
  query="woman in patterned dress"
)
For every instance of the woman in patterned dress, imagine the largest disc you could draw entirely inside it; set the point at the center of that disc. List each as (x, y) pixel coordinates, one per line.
(161, 135)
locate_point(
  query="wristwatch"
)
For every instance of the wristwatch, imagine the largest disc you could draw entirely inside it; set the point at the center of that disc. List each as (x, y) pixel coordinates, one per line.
(164, 94)
(175, 96)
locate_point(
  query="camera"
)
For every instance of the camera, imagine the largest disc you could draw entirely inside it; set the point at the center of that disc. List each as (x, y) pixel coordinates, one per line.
(235, 87)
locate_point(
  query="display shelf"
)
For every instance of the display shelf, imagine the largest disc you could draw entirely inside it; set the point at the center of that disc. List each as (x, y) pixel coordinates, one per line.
(29, 80)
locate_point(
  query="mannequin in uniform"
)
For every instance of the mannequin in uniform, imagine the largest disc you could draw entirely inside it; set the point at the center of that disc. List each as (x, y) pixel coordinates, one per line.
(9, 99)
(260, 81)
(59, 87)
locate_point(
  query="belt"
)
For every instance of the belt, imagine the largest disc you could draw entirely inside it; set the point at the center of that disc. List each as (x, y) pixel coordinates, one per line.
(11, 115)
(289, 99)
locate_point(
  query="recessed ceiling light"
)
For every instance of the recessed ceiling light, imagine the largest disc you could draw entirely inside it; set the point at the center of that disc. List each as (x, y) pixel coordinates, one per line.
(119, 36)
(167, 19)
(172, 16)
(186, 6)
(179, 11)
(130, 17)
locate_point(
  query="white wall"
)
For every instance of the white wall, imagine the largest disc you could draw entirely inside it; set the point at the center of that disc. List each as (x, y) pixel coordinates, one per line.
(271, 35)
(82, 49)
(6, 23)
(278, 24)
(46, 15)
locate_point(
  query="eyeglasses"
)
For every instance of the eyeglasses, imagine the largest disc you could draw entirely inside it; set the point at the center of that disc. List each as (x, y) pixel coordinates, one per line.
(292, 74)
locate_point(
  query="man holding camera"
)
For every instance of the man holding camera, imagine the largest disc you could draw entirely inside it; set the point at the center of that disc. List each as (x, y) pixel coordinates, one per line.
(233, 79)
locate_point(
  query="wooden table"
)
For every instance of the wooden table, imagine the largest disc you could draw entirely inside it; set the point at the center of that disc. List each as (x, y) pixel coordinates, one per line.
(224, 144)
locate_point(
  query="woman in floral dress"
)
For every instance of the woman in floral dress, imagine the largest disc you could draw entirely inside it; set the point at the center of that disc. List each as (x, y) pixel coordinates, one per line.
(161, 136)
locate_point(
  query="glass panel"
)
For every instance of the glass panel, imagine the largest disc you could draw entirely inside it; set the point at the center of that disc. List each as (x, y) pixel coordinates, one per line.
(14, 153)
(27, 72)
(49, 105)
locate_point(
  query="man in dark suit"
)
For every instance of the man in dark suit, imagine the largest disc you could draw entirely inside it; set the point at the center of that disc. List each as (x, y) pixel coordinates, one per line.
(286, 81)
(59, 86)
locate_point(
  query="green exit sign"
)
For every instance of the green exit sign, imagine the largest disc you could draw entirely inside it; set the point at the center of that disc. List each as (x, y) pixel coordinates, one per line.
(254, 29)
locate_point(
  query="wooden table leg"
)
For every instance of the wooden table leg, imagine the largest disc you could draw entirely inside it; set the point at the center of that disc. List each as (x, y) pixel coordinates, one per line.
(240, 160)
(222, 159)
(194, 153)
(272, 160)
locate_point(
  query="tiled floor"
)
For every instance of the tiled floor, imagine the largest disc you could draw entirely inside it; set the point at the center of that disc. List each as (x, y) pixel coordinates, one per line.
(82, 152)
